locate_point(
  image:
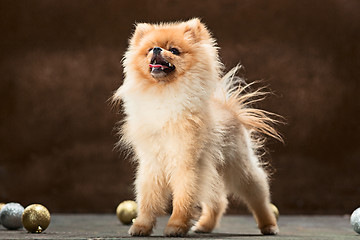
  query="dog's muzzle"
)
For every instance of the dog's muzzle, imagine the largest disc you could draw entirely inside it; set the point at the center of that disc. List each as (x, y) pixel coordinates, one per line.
(159, 67)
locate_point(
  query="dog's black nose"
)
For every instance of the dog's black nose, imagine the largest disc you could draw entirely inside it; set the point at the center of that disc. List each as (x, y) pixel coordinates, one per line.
(157, 50)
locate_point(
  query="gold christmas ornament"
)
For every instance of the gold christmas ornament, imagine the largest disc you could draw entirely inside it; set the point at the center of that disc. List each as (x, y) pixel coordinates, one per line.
(127, 212)
(36, 218)
(1, 205)
(275, 210)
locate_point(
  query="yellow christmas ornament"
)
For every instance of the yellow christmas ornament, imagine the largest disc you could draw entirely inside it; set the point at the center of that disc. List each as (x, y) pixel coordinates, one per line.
(275, 210)
(36, 218)
(127, 211)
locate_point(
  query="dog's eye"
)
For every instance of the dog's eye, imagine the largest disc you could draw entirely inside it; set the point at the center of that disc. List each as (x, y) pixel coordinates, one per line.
(174, 51)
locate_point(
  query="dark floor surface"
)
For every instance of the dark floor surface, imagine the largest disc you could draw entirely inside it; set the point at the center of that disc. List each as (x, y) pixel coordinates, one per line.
(91, 226)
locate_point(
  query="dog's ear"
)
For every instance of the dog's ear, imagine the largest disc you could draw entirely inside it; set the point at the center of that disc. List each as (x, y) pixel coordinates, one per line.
(195, 30)
(140, 30)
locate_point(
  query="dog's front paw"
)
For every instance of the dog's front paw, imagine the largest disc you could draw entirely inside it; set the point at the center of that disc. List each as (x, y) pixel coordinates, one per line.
(173, 230)
(270, 230)
(198, 228)
(140, 230)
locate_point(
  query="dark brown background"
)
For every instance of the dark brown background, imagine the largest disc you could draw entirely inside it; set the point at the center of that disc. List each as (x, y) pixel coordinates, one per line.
(60, 63)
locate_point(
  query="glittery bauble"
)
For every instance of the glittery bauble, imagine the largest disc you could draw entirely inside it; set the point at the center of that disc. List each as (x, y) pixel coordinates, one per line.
(10, 216)
(36, 218)
(1, 205)
(127, 212)
(355, 220)
(275, 210)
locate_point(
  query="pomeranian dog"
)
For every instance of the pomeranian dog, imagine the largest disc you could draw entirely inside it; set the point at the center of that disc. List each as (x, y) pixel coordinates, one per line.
(194, 136)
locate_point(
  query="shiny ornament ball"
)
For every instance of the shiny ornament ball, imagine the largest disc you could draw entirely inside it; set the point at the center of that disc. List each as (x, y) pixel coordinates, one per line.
(10, 216)
(36, 218)
(355, 220)
(127, 212)
(275, 210)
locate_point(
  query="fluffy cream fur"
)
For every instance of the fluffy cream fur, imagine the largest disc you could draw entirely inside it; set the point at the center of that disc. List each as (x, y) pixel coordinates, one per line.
(191, 132)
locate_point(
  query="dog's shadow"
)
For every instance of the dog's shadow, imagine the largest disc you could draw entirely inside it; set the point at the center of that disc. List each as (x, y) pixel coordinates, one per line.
(222, 235)
(212, 235)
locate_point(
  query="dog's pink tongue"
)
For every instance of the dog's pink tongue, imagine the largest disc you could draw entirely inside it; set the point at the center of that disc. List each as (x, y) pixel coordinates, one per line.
(155, 65)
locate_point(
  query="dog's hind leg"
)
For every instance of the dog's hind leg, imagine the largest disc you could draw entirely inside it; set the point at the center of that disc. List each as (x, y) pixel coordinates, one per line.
(255, 192)
(210, 215)
(246, 179)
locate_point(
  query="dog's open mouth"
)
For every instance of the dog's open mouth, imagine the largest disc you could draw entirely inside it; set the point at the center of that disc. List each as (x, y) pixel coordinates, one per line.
(159, 67)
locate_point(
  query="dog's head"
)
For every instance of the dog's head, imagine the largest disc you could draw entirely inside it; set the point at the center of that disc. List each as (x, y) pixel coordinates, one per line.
(165, 52)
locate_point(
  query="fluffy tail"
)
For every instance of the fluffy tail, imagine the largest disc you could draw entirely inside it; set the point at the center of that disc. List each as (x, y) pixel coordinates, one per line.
(235, 93)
